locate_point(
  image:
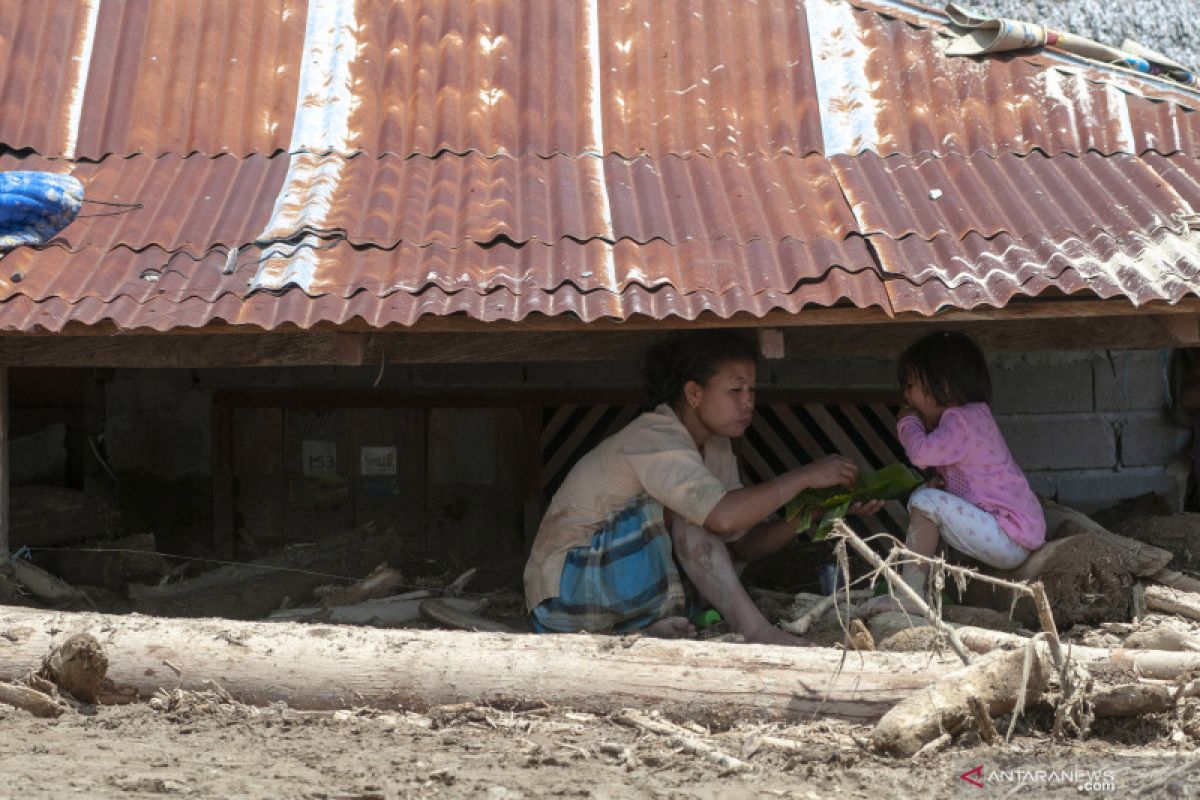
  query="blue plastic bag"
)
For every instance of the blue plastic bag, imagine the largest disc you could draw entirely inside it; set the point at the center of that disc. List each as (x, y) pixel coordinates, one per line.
(34, 206)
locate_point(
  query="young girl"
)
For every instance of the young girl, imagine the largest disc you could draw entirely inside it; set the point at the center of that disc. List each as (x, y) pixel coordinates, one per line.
(663, 490)
(984, 507)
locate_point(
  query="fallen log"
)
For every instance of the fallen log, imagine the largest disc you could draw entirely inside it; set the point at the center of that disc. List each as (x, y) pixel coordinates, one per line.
(944, 707)
(330, 667)
(1176, 580)
(46, 587)
(1137, 558)
(33, 701)
(1131, 700)
(1161, 638)
(1173, 601)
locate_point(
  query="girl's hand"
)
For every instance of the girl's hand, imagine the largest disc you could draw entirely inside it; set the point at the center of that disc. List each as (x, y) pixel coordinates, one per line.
(831, 471)
(906, 411)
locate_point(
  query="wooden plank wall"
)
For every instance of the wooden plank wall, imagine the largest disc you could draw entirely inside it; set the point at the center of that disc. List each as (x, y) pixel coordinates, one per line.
(475, 479)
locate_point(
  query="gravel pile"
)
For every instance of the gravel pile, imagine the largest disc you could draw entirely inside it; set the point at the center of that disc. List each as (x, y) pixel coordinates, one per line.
(1172, 28)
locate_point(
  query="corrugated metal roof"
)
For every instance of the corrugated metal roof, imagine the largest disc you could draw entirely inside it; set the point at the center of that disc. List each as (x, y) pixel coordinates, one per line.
(316, 162)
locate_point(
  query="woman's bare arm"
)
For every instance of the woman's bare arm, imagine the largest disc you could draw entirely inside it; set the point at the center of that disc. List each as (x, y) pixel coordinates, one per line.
(744, 508)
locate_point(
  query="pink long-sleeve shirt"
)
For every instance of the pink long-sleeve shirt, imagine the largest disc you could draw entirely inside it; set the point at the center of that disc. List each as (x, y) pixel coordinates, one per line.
(969, 451)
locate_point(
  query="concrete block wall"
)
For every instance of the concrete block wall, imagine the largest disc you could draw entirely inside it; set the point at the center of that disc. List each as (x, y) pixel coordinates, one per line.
(1091, 429)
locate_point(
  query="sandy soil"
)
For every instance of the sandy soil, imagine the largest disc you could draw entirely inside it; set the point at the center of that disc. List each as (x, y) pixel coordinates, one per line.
(203, 747)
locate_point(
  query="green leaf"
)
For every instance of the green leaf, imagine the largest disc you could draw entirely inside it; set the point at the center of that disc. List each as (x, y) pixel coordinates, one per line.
(826, 505)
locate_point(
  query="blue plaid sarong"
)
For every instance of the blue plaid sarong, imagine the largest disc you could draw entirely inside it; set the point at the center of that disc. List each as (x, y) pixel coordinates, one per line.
(622, 582)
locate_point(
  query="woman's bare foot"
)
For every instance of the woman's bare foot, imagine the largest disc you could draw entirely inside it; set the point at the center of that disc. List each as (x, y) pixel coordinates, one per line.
(769, 634)
(672, 628)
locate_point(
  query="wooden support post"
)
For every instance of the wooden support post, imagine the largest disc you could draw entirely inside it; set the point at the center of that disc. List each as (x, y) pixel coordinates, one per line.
(4, 473)
(531, 418)
(222, 454)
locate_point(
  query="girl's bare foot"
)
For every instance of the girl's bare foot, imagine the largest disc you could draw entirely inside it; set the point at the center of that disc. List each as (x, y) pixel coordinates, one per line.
(672, 628)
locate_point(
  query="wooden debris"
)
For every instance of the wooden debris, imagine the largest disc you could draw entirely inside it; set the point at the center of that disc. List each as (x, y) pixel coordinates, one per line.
(1138, 603)
(33, 701)
(48, 588)
(1176, 580)
(459, 584)
(933, 748)
(1132, 700)
(77, 667)
(252, 591)
(382, 582)
(859, 638)
(983, 720)
(996, 680)
(457, 612)
(1162, 637)
(1173, 601)
(800, 625)
(383, 612)
(678, 737)
(1137, 558)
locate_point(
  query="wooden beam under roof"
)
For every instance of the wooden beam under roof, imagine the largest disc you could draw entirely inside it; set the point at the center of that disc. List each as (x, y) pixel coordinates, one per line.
(340, 348)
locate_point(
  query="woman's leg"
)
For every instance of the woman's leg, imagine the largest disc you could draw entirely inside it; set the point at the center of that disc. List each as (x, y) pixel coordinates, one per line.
(705, 558)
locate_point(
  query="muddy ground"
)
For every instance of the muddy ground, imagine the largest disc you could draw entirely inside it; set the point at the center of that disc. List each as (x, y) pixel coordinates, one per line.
(204, 747)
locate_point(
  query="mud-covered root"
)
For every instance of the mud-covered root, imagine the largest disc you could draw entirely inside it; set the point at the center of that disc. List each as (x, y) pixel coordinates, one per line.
(944, 707)
(77, 667)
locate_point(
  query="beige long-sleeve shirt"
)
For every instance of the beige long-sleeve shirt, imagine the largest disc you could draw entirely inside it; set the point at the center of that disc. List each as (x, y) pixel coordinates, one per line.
(653, 456)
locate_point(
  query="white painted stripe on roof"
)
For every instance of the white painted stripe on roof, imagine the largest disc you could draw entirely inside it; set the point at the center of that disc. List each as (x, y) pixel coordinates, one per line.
(1074, 94)
(597, 143)
(1118, 104)
(325, 101)
(849, 110)
(84, 59)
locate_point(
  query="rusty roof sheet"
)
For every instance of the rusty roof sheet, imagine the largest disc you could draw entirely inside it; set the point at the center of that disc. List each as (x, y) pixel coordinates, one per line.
(340, 269)
(974, 271)
(195, 203)
(900, 195)
(315, 162)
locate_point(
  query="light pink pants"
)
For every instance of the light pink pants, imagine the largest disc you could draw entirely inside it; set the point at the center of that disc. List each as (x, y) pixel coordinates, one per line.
(968, 529)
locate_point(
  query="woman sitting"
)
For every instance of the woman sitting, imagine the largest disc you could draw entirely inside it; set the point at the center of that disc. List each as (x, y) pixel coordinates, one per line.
(665, 491)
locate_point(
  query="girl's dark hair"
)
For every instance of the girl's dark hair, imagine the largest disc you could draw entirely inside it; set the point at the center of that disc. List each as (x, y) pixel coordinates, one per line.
(951, 367)
(671, 363)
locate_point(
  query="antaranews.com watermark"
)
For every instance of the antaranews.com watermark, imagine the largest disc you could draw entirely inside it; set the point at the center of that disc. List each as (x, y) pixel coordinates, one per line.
(1084, 780)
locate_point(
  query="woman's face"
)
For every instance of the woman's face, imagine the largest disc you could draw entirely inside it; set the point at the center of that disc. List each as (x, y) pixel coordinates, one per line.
(725, 405)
